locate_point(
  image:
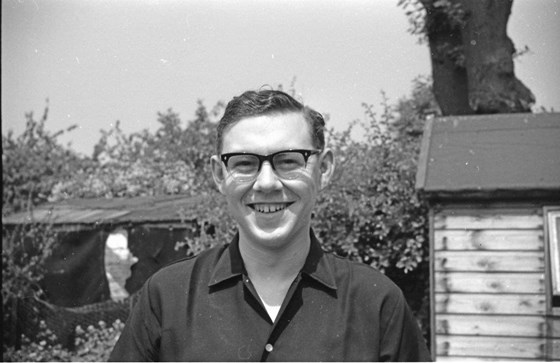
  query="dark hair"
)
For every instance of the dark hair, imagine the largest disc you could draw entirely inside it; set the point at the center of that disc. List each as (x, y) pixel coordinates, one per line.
(257, 103)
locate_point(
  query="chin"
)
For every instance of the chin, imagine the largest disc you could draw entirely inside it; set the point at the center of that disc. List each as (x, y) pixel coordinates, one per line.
(277, 237)
(269, 234)
(275, 231)
(270, 237)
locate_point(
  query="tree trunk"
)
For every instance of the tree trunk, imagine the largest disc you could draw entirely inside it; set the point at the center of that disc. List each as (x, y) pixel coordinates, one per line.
(472, 57)
(449, 75)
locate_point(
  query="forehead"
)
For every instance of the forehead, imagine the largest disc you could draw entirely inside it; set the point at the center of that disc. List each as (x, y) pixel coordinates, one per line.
(266, 134)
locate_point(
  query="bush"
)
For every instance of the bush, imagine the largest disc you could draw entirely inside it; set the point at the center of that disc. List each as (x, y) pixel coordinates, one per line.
(96, 343)
(371, 212)
(92, 345)
(44, 348)
(33, 162)
(171, 160)
(24, 252)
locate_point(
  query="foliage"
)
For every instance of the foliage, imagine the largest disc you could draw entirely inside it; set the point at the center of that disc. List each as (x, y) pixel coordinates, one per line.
(24, 252)
(91, 345)
(33, 163)
(411, 112)
(24, 249)
(44, 349)
(96, 343)
(371, 212)
(428, 16)
(415, 10)
(173, 160)
(214, 224)
(416, 14)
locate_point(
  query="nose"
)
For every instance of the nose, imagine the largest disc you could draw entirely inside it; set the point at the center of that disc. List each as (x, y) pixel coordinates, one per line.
(267, 179)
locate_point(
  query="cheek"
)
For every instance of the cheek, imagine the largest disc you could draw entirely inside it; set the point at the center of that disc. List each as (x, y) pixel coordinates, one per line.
(306, 189)
(235, 192)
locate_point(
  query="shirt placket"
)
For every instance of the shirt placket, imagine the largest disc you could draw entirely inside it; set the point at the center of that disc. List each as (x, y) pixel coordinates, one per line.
(281, 320)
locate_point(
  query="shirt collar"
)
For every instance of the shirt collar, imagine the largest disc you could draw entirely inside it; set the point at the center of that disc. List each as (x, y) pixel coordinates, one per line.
(230, 264)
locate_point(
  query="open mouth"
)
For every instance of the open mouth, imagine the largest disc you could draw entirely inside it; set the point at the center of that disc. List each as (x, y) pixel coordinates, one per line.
(269, 207)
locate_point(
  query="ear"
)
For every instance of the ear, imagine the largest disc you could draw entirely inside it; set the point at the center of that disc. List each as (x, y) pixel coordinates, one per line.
(326, 167)
(218, 172)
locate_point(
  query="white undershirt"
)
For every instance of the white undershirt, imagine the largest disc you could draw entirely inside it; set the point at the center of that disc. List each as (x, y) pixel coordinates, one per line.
(272, 310)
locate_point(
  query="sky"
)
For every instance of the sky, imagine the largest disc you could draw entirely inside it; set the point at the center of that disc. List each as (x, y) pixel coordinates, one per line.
(99, 61)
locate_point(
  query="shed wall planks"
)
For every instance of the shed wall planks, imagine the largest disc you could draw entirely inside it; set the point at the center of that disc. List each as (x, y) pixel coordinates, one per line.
(554, 324)
(512, 304)
(555, 349)
(519, 240)
(486, 220)
(528, 261)
(489, 285)
(442, 358)
(500, 347)
(482, 282)
(492, 325)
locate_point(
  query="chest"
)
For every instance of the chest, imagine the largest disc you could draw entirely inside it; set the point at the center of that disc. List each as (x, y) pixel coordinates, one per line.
(233, 325)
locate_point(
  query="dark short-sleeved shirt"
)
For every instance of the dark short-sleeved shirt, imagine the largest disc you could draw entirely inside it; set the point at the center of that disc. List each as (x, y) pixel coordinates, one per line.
(206, 309)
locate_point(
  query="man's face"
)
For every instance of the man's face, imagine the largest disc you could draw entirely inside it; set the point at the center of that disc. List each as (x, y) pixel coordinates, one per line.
(272, 211)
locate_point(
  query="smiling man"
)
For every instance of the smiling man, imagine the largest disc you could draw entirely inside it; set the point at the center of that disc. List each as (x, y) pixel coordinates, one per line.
(271, 294)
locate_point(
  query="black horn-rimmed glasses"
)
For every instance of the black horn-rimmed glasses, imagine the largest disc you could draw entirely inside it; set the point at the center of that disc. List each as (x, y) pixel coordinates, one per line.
(288, 164)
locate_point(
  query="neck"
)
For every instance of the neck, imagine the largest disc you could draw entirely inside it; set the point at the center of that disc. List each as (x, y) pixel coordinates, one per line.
(274, 264)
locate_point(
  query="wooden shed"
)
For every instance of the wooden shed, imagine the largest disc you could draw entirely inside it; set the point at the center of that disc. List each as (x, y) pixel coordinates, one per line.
(493, 186)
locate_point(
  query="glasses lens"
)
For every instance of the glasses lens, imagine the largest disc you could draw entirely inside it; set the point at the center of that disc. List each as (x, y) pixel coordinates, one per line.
(243, 167)
(289, 164)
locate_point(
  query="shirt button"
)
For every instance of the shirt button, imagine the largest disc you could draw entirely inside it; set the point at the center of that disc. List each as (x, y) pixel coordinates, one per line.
(269, 347)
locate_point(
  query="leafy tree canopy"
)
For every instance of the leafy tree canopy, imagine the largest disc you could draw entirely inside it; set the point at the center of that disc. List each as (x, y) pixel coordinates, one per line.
(34, 162)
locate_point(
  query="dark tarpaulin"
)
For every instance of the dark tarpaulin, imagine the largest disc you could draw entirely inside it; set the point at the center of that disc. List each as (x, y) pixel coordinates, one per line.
(154, 248)
(75, 271)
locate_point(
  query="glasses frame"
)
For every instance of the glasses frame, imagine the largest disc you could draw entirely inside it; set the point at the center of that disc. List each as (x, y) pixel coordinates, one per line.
(262, 158)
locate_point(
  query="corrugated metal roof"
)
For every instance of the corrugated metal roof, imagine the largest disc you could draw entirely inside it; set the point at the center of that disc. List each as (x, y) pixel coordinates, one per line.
(108, 211)
(502, 152)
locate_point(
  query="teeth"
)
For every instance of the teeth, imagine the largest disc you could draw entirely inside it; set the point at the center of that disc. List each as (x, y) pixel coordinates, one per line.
(269, 208)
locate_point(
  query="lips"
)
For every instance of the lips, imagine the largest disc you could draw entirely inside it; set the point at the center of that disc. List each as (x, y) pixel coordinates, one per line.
(269, 207)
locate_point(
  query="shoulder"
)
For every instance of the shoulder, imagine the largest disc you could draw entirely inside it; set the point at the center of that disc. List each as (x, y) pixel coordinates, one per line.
(362, 279)
(181, 271)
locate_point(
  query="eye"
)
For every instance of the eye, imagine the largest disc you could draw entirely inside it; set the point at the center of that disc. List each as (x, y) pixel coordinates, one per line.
(289, 160)
(243, 163)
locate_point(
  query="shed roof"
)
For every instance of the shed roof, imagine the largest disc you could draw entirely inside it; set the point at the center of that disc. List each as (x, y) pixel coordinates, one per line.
(157, 209)
(491, 153)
